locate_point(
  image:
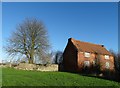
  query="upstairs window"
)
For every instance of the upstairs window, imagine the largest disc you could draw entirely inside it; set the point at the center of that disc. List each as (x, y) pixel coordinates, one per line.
(86, 54)
(107, 57)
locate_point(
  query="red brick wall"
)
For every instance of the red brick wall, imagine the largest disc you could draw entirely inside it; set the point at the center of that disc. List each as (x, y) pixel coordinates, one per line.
(74, 61)
(70, 58)
(82, 58)
(103, 61)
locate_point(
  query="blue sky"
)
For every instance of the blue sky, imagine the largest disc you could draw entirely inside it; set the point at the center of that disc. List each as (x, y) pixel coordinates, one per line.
(91, 22)
(0, 30)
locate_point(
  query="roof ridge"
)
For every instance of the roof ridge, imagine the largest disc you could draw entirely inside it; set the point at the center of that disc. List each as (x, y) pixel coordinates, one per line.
(90, 47)
(86, 42)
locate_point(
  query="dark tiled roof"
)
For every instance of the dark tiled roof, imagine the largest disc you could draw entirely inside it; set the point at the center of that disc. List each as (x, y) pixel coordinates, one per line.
(89, 47)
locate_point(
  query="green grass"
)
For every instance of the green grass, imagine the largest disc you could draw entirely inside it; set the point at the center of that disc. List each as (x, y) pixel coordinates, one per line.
(12, 77)
(0, 77)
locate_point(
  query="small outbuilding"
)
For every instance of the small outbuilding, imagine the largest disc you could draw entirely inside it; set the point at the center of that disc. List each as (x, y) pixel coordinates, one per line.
(79, 55)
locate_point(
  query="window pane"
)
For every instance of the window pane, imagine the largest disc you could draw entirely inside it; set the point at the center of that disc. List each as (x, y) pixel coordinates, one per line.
(106, 56)
(87, 63)
(94, 63)
(107, 65)
(87, 54)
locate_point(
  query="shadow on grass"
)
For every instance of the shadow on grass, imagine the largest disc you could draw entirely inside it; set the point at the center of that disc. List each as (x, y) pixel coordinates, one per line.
(105, 77)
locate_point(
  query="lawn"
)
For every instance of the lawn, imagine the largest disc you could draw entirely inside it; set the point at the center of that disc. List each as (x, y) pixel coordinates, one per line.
(0, 77)
(12, 77)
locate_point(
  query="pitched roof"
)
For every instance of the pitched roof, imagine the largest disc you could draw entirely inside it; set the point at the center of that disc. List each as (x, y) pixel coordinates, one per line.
(89, 47)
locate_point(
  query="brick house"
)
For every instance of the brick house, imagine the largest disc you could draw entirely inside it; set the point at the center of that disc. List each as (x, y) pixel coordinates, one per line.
(79, 55)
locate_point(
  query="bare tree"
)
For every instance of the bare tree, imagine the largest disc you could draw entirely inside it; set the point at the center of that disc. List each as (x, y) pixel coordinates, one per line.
(58, 57)
(119, 62)
(116, 64)
(30, 39)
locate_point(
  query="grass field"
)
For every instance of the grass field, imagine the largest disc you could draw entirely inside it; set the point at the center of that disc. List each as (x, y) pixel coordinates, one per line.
(12, 77)
(0, 77)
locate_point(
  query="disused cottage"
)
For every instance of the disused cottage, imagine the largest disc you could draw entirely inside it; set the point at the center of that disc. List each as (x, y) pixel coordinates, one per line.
(79, 55)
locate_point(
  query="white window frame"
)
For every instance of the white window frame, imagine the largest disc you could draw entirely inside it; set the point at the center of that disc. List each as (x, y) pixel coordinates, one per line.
(107, 65)
(86, 63)
(86, 54)
(94, 63)
(107, 56)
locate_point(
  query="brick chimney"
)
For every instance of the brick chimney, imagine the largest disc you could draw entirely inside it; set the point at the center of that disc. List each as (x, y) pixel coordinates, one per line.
(102, 45)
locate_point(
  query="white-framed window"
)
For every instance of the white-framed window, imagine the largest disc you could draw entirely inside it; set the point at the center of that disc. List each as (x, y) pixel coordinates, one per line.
(86, 63)
(107, 57)
(86, 54)
(107, 65)
(94, 63)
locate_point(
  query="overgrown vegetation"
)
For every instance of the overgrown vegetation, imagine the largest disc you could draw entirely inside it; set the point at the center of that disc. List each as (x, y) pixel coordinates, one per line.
(117, 65)
(107, 74)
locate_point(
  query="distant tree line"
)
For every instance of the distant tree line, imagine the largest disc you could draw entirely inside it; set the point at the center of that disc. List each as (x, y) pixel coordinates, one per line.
(116, 64)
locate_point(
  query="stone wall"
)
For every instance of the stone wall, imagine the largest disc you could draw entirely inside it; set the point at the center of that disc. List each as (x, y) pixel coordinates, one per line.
(49, 67)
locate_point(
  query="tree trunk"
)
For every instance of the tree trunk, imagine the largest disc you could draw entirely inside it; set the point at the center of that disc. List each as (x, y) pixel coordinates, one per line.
(32, 49)
(30, 61)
